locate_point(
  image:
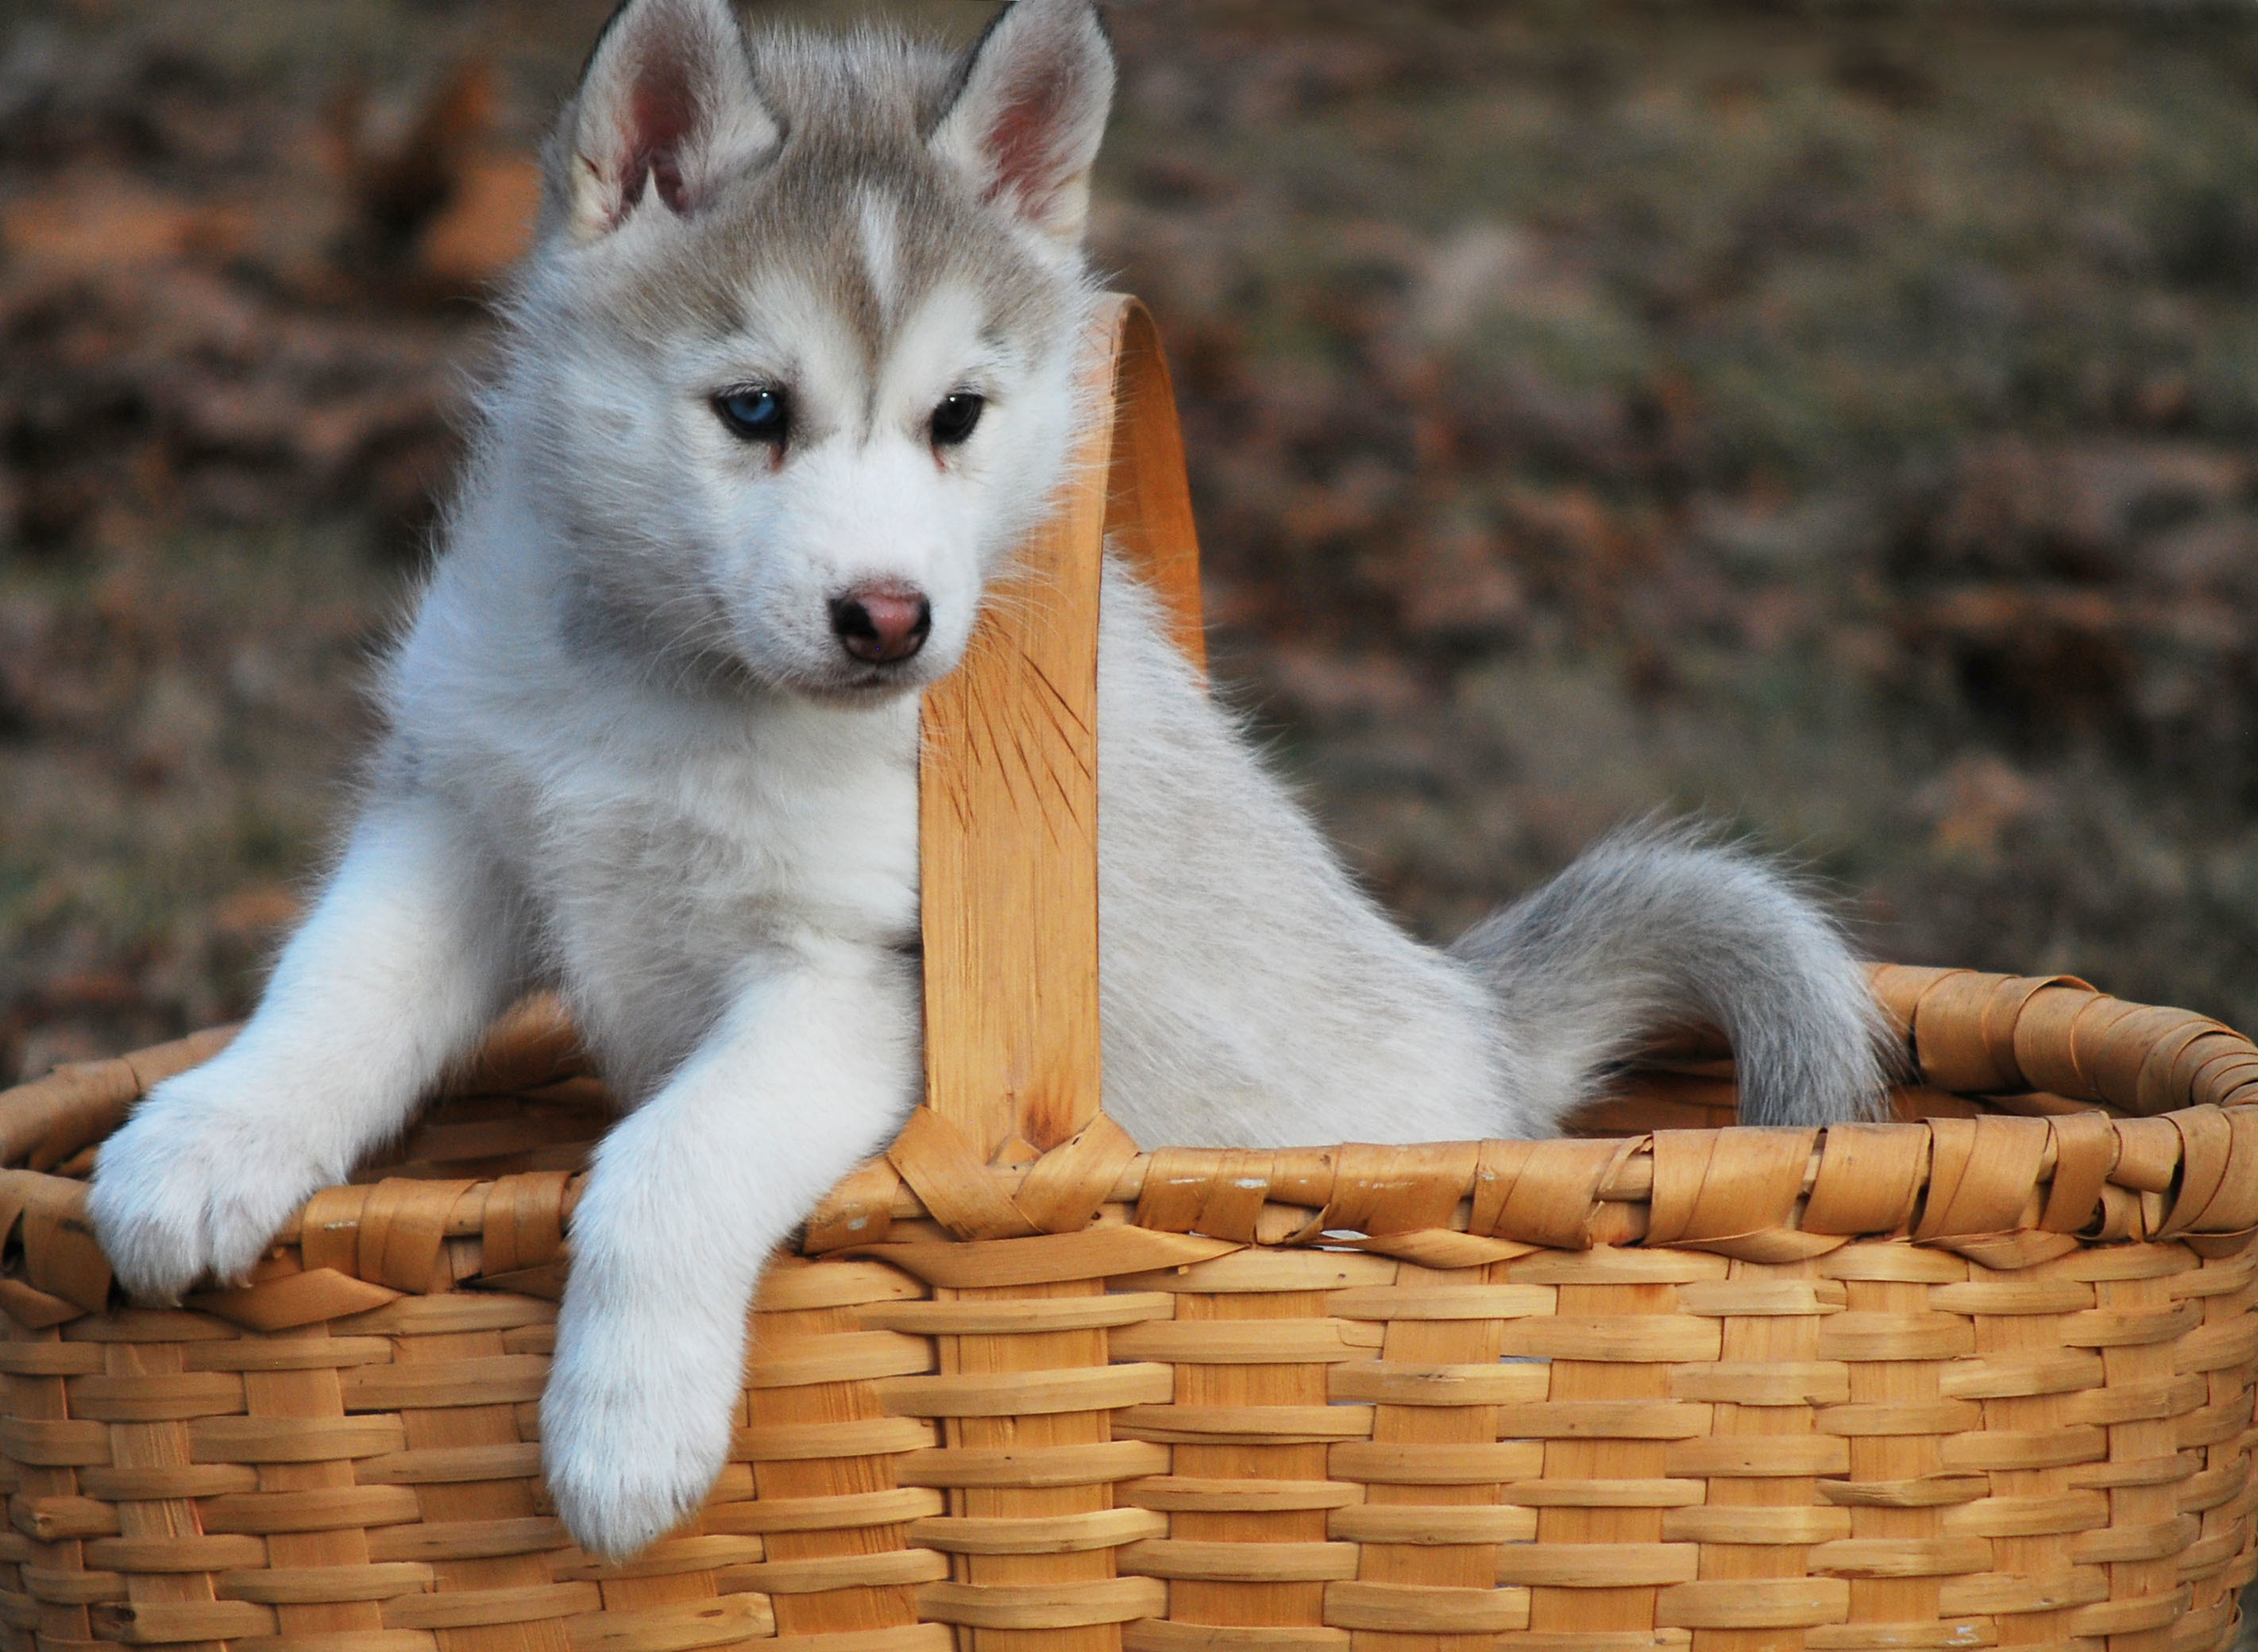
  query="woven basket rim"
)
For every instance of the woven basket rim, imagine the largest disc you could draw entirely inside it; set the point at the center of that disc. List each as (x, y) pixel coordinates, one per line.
(2133, 1124)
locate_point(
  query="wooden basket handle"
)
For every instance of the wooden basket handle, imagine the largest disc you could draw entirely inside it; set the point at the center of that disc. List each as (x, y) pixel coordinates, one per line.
(1008, 775)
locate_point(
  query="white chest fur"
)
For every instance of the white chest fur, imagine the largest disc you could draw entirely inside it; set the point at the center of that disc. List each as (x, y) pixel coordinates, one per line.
(661, 846)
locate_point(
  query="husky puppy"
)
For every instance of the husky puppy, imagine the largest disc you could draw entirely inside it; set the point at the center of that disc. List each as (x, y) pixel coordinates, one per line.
(789, 372)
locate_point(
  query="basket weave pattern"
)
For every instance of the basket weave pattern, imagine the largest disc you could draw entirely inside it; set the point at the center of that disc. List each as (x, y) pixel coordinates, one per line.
(1615, 1392)
(1981, 1378)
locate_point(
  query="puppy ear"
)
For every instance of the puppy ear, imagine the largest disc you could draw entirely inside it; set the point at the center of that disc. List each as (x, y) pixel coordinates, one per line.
(667, 108)
(1029, 108)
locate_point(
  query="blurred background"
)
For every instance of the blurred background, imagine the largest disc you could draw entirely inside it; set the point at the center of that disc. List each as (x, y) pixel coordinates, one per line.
(1835, 417)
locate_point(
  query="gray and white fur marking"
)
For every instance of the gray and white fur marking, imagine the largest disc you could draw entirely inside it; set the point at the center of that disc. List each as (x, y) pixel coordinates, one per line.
(788, 373)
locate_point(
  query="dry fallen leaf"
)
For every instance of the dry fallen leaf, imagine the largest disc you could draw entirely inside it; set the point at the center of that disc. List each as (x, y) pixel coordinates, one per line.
(486, 225)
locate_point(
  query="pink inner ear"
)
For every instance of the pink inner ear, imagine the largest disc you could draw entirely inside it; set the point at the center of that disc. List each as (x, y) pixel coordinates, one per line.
(663, 113)
(1020, 141)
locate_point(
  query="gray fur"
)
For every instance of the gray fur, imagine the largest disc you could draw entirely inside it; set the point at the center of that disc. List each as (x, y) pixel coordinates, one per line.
(1255, 996)
(1659, 927)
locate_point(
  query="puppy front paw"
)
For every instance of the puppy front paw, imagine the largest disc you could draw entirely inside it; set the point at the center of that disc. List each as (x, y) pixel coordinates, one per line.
(196, 1185)
(635, 1423)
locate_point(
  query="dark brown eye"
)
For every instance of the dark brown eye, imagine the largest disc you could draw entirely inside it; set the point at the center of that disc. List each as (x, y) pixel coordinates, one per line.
(954, 419)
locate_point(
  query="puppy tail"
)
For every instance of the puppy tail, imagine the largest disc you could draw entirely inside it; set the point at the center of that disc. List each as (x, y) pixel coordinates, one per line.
(1663, 925)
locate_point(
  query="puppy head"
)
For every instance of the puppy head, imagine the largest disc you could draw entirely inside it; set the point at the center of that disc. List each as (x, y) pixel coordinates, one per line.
(794, 360)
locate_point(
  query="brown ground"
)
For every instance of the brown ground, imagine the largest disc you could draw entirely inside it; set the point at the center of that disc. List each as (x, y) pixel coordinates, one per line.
(1835, 418)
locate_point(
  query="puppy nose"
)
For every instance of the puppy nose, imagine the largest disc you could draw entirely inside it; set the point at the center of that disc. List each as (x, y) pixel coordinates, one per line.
(882, 623)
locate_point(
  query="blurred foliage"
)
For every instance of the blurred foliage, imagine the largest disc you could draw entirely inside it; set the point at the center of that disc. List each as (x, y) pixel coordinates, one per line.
(1837, 418)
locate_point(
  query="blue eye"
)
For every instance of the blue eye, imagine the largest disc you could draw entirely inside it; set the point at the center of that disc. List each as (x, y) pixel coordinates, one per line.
(759, 413)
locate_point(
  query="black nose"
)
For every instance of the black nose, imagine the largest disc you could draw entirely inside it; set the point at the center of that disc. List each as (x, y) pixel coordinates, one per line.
(881, 624)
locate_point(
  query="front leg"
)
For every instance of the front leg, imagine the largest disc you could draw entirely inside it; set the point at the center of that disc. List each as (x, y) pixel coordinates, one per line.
(402, 962)
(811, 1068)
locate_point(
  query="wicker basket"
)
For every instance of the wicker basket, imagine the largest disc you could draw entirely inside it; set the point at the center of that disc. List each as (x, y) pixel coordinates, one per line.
(1982, 1378)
